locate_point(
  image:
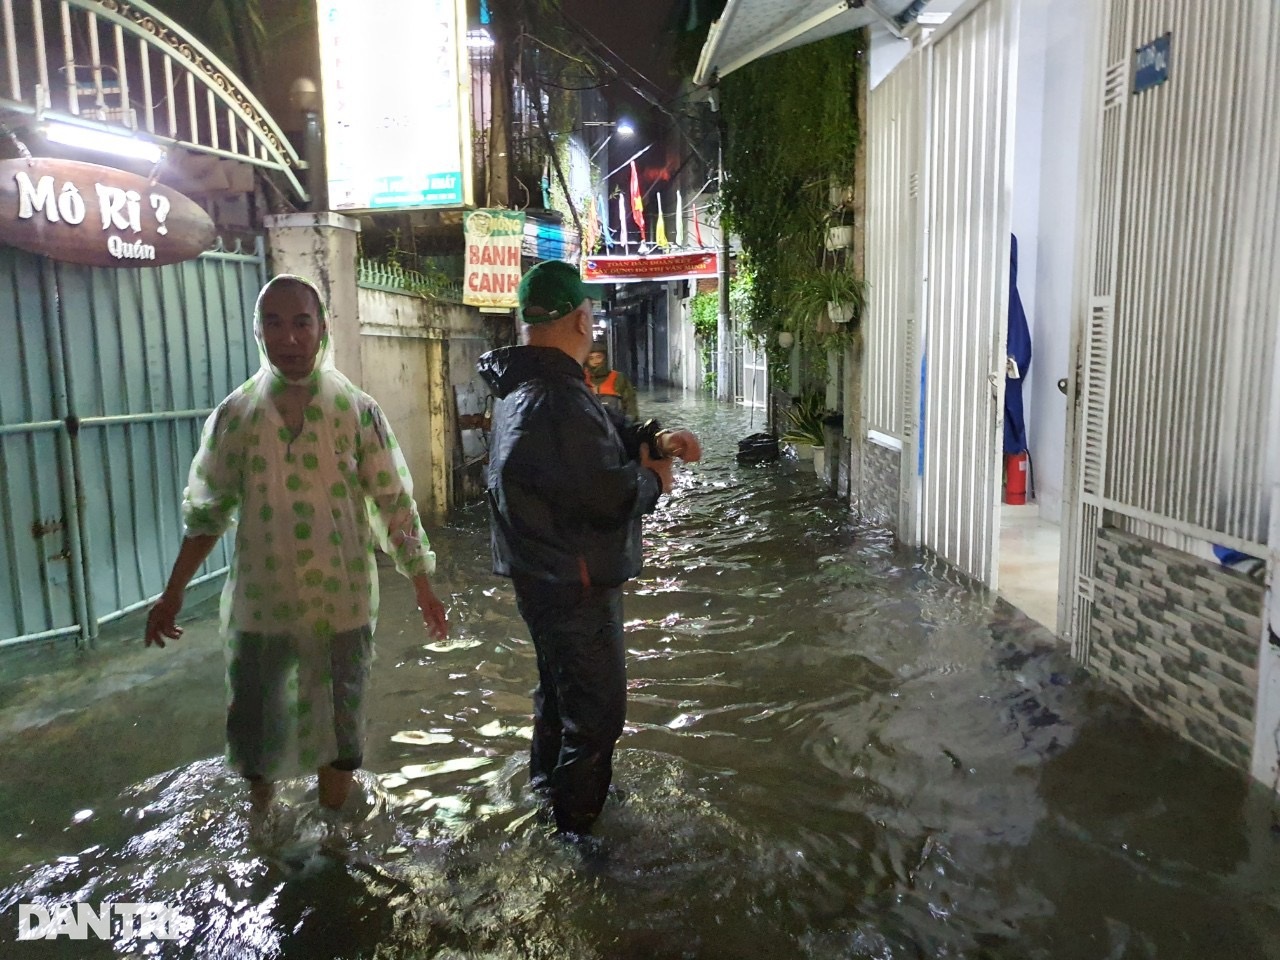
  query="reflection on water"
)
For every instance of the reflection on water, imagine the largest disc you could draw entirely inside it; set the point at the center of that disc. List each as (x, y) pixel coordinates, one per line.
(833, 749)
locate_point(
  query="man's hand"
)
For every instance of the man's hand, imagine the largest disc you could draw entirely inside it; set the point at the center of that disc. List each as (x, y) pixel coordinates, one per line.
(680, 443)
(661, 467)
(434, 617)
(161, 620)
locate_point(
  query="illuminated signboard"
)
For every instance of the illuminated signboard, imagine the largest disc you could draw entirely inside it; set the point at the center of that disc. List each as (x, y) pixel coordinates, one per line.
(663, 266)
(397, 124)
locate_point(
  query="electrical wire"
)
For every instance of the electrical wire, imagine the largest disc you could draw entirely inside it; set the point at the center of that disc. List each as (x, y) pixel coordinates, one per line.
(543, 43)
(560, 86)
(611, 63)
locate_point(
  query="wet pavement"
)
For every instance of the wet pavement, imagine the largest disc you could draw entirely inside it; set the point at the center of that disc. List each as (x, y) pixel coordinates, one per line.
(834, 749)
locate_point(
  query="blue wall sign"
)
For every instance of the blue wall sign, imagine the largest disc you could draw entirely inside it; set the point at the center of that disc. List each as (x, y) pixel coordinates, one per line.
(1151, 64)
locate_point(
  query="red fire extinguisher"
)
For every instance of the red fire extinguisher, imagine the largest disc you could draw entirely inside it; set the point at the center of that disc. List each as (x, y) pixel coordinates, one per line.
(1015, 477)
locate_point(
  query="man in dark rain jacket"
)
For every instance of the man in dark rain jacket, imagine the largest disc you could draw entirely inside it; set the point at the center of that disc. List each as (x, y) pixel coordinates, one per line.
(568, 486)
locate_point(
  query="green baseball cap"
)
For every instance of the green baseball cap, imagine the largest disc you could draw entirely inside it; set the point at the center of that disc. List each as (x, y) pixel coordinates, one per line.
(552, 286)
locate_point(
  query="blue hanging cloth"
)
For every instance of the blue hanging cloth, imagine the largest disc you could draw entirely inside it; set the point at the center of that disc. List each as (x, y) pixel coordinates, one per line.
(1019, 360)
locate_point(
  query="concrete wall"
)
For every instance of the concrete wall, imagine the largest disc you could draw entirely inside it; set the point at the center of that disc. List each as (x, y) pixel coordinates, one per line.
(414, 352)
(395, 361)
(404, 350)
(1028, 127)
(682, 345)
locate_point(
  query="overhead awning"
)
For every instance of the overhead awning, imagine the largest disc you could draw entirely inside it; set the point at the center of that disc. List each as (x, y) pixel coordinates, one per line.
(751, 29)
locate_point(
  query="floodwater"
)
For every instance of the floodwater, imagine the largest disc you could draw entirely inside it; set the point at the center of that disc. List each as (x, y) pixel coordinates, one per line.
(834, 749)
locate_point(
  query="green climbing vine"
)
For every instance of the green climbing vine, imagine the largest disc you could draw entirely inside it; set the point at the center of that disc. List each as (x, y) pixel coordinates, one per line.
(792, 132)
(704, 313)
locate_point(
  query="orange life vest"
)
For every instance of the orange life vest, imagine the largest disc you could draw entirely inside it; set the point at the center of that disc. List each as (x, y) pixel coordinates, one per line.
(608, 387)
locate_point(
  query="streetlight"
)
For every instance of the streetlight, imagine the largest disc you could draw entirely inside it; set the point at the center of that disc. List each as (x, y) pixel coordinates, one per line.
(622, 128)
(304, 96)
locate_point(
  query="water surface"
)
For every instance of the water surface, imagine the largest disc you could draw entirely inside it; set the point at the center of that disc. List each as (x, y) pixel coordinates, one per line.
(834, 749)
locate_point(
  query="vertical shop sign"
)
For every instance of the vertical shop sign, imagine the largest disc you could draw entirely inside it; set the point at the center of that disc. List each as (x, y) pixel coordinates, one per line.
(493, 241)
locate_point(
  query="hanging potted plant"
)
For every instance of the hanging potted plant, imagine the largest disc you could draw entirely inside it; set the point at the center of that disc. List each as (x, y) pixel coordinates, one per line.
(831, 294)
(845, 295)
(840, 230)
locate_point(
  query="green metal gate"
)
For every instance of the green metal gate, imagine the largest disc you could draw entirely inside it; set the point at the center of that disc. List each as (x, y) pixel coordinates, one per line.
(106, 377)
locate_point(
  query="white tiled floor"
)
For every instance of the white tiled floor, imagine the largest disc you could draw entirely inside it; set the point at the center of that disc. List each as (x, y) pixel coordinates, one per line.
(1029, 550)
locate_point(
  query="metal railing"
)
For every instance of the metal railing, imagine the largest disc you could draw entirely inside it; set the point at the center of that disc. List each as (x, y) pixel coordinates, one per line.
(377, 275)
(118, 64)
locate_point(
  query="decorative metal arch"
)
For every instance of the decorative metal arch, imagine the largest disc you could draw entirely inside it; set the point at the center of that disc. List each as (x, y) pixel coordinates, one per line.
(230, 122)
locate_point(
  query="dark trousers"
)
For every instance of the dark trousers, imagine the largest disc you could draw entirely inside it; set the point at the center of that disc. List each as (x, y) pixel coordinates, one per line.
(581, 700)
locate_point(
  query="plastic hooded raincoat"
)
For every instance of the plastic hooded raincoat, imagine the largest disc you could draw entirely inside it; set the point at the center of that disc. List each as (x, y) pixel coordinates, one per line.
(309, 510)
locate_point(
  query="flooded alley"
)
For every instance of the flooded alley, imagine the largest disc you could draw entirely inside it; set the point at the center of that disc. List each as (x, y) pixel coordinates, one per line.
(834, 749)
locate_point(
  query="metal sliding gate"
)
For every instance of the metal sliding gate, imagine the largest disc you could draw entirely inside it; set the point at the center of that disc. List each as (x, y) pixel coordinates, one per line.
(1177, 407)
(939, 209)
(969, 146)
(106, 377)
(891, 367)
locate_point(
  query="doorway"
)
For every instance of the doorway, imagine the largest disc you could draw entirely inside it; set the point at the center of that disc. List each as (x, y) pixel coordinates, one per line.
(1054, 40)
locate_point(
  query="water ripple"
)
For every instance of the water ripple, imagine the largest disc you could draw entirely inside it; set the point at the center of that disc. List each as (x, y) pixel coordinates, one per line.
(835, 748)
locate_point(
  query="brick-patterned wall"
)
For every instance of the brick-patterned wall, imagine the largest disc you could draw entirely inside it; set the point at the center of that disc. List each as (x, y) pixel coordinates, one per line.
(842, 468)
(1180, 635)
(880, 484)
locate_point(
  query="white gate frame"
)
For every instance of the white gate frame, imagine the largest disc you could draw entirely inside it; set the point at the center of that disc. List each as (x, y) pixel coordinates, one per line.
(890, 408)
(960, 489)
(1090, 348)
(1266, 743)
(958, 520)
(1108, 141)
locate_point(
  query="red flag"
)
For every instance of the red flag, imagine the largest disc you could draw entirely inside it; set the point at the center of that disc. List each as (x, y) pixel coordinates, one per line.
(637, 204)
(697, 228)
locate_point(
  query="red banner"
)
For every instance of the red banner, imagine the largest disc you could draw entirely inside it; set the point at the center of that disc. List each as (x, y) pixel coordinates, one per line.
(659, 266)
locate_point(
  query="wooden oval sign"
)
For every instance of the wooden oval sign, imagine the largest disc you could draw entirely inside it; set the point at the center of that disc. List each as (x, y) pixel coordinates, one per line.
(100, 216)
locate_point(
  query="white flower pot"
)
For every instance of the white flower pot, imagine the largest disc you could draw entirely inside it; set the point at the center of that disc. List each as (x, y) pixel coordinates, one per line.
(840, 312)
(804, 451)
(820, 461)
(839, 237)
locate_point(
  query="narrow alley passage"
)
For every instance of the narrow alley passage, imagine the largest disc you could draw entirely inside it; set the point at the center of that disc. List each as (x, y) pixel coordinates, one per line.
(834, 748)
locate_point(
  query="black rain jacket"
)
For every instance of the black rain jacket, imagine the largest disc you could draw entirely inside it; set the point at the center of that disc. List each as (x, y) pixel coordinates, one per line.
(566, 493)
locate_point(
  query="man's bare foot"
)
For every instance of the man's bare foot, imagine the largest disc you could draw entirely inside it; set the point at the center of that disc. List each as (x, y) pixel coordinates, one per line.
(334, 787)
(261, 793)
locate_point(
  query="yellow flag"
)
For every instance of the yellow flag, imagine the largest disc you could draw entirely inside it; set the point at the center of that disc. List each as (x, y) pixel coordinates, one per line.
(660, 235)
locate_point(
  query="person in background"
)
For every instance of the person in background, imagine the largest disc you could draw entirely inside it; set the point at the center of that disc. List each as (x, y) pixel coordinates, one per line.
(614, 390)
(307, 464)
(568, 485)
